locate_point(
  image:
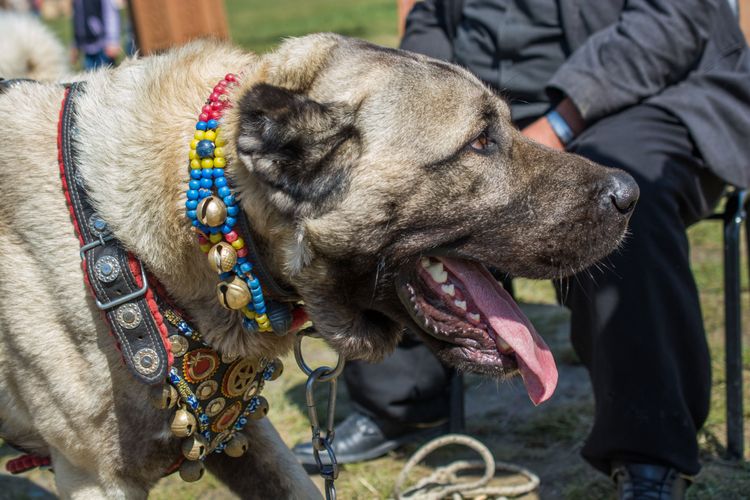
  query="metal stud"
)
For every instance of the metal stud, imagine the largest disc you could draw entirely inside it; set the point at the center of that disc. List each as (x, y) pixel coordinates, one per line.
(233, 295)
(191, 470)
(273, 370)
(194, 447)
(146, 361)
(214, 407)
(183, 423)
(97, 225)
(211, 211)
(164, 397)
(206, 389)
(222, 257)
(179, 345)
(128, 316)
(237, 446)
(107, 269)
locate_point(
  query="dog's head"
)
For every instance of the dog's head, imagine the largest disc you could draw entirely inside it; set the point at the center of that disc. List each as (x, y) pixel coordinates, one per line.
(384, 182)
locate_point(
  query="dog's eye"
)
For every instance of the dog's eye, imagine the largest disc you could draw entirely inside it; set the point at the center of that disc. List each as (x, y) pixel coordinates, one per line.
(482, 143)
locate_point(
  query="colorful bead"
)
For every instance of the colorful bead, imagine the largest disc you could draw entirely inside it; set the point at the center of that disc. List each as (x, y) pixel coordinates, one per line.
(229, 200)
(212, 124)
(192, 194)
(194, 184)
(231, 236)
(195, 174)
(191, 204)
(199, 135)
(205, 248)
(220, 140)
(220, 162)
(238, 243)
(215, 238)
(206, 183)
(192, 154)
(202, 125)
(195, 164)
(207, 163)
(219, 152)
(211, 135)
(204, 117)
(233, 211)
(224, 192)
(246, 267)
(208, 173)
(204, 148)
(193, 144)
(218, 172)
(242, 252)
(220, 182)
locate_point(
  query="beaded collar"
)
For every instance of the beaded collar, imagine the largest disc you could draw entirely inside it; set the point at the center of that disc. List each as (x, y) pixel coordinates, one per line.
(212, 208)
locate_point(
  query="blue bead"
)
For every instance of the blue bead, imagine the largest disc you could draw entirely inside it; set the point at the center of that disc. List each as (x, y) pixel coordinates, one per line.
(253, 283)
(201, 126)
(197, 224)
(230, 221)
(207, 173)
(192, 214)
(205, 148)
(192, 194)
(229, 200)
(191, 204)
(224, 191)
(203, 193)
(225, 228)
(226, 276)
(242, 260)
(213, 230)
(218, 172)
(212, 123)
(246, 267)
(195, 173)
(233, 210)
(194, 184)
(261, 309)
(221, 182)
(206, 183)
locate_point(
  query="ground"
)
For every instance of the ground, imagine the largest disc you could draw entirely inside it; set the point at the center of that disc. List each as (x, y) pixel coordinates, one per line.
(545, 439)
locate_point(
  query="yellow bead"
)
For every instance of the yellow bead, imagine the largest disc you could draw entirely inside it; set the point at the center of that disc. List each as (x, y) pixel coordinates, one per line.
(219, 152)
(195, 164)
(199, 135)
(192, 154)
(193, 144)
(220, 140)
(207, 163)
(262, 319)
(248, 313)
(238, 243)
(220, 162)
(215, 238)
(205, 247)
(209, 135)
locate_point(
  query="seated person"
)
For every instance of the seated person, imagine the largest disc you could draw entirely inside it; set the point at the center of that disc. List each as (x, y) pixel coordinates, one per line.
(660, 89)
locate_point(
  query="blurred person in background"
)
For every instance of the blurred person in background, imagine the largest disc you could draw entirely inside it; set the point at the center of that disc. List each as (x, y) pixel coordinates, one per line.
(96, 30)
(661, 89)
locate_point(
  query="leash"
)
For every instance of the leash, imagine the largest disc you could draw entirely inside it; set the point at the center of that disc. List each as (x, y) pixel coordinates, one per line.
(445, 482)
(329, 470)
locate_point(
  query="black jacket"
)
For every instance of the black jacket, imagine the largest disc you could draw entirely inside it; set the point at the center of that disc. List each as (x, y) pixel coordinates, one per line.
(686, 56)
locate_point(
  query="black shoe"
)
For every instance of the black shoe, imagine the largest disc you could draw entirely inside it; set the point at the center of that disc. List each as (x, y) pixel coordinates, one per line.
(359, 438)
(649, 482)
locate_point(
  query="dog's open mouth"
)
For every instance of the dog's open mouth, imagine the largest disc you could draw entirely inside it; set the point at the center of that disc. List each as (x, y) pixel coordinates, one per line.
(459, 302)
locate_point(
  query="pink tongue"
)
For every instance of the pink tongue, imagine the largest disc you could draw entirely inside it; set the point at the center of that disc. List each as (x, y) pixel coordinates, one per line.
(535, 361)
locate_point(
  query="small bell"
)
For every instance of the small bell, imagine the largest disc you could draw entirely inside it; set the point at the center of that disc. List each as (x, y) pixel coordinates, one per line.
(275, 369)
(194, 447)
(164, 397)
(191, 470)
(211, 211)
(261, 410)
(222, 257)
(183, 423)
(233, 295)
(237, 446)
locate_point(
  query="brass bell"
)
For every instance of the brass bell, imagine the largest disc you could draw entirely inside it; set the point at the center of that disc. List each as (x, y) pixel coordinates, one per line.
(237, 446)
(261, 410)
(183, 423)
(164, 396)
(191, 470)
(211, 211)
(278, 369)
(233, 295)
(194, 447)
(222, 257)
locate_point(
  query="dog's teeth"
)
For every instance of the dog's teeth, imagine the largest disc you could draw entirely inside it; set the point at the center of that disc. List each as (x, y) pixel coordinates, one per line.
(461, 304)
(425, 261)
(437, 273)
(474, 317)
(448, 290)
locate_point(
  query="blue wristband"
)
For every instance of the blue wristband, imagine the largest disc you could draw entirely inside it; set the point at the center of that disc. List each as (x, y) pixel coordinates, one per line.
(560, 127)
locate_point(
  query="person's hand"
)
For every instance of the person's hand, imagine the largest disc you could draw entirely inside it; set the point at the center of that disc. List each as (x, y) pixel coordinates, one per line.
(112, 51)
(74, 55)
(541, 132)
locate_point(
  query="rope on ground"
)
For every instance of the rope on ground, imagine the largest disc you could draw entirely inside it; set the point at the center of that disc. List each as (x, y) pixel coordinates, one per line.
(444, 481)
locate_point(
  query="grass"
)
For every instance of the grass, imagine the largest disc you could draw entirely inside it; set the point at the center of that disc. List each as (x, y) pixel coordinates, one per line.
(546, 439)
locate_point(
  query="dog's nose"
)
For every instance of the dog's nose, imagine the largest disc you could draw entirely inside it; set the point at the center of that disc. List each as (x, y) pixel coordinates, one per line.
(621, 191)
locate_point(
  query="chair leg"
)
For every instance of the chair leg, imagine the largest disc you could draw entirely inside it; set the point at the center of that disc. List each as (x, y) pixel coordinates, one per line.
(457, 421)
(733, 327)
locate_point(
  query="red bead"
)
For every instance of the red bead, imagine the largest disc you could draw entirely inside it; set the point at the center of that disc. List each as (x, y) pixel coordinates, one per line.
(214, 115)
(213, 97)
(216, 106)
(202, 240)
(230, 77)
(220, 90)
(204, 117)
(242, 252)
(222, 84)
(231, 236)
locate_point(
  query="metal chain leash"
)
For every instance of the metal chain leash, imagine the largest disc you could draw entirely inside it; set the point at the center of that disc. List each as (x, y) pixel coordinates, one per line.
(328, 471)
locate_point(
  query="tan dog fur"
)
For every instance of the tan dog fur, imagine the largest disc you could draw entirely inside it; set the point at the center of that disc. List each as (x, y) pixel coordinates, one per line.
(29, 49)
(406, 184)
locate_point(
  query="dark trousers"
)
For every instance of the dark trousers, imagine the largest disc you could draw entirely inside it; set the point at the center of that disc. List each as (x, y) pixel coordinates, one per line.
(636, 324)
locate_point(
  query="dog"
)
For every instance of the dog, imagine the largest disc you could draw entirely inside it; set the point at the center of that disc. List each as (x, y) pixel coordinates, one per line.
(30, 49)
(377, 184)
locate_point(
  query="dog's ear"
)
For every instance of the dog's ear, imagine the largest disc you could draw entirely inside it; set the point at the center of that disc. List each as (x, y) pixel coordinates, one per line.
(299, 149)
